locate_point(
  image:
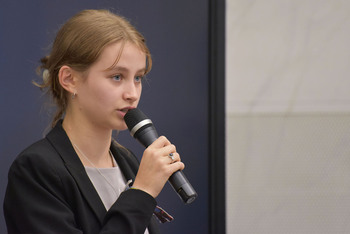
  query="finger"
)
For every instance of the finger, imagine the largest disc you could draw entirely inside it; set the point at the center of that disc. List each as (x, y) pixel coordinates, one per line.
(176, 166)
(160, 142)
(174, 157)
(166, 150)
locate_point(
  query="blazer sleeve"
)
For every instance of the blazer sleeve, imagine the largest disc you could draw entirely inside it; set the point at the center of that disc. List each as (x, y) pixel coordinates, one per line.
(125, 215)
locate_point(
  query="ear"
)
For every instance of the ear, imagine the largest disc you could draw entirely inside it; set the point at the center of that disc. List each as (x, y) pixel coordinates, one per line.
(67, 79)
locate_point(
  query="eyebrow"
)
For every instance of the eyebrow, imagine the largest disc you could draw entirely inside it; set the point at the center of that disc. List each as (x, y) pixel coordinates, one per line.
(120, 68)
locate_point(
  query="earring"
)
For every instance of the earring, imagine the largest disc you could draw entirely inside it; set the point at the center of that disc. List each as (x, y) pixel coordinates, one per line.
(73, 95)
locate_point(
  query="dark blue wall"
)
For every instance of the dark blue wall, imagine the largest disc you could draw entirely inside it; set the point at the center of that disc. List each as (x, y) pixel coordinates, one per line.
(176, 97)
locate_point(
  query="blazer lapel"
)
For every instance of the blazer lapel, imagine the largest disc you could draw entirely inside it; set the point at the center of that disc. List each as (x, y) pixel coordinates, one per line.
(60, 141)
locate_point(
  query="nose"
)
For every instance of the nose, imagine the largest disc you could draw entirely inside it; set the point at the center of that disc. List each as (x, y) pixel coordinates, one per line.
(131, 91)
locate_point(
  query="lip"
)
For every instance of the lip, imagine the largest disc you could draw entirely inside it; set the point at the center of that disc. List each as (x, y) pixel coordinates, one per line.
(124, 110)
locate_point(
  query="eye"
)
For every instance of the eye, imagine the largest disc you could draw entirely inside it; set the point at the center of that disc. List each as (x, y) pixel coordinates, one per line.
(117, 78)
(138, 79)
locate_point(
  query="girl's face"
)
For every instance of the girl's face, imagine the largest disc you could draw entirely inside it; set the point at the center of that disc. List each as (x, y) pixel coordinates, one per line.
(105, 95)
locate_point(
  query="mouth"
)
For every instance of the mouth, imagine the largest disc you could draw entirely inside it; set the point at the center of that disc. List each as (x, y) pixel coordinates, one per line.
(126, 109)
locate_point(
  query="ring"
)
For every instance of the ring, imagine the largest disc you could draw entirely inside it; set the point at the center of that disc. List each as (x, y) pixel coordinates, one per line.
(171, 155)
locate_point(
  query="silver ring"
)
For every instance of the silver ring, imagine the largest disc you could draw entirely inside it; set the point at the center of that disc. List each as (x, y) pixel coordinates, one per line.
(171, 155)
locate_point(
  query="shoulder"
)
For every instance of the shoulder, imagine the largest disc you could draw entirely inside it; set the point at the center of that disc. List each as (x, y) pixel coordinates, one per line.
(40, 157)
(40, 150)
(47, 153)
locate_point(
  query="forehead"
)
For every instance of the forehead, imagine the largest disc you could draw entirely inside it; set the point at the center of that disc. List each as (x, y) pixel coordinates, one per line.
(121, 54)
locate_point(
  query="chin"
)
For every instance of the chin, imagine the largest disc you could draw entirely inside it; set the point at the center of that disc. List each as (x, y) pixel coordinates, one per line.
(120, 127)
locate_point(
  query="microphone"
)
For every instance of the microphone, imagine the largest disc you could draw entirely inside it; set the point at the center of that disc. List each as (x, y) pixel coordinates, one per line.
(143, 130)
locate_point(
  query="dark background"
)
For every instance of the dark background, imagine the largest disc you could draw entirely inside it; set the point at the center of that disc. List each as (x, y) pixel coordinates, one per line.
(176, 97)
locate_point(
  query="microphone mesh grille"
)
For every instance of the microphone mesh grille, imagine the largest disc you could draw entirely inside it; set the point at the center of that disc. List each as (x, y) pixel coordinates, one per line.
(133, 117)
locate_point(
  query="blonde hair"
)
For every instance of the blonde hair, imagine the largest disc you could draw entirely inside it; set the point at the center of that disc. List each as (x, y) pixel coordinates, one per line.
(79, 43)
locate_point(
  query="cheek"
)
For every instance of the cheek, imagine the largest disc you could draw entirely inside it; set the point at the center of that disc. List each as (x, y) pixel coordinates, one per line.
(140, 90)
(97, 95)
(106, 98)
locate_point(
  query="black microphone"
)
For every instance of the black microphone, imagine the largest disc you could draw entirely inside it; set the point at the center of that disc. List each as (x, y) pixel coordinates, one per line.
(142, 129)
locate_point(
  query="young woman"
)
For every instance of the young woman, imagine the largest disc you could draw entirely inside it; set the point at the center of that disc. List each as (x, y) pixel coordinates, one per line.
(76, 179)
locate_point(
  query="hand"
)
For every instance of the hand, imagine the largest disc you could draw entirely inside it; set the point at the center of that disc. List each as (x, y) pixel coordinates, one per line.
(156, 166)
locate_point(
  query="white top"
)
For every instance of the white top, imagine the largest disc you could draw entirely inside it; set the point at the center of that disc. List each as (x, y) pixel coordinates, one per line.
(109, 183)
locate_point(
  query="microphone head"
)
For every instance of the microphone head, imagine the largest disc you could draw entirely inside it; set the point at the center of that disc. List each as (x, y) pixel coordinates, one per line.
(133, 117)
(136, 120)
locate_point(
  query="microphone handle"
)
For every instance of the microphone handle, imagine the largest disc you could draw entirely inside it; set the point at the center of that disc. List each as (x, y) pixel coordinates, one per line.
(178, 179)
(147, 136)
(182, 187)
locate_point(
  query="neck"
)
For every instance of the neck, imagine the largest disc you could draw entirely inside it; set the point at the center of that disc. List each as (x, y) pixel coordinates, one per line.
(92, 142)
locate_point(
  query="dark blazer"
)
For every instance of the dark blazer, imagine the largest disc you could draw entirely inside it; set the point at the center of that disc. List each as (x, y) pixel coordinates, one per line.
(49, 191)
